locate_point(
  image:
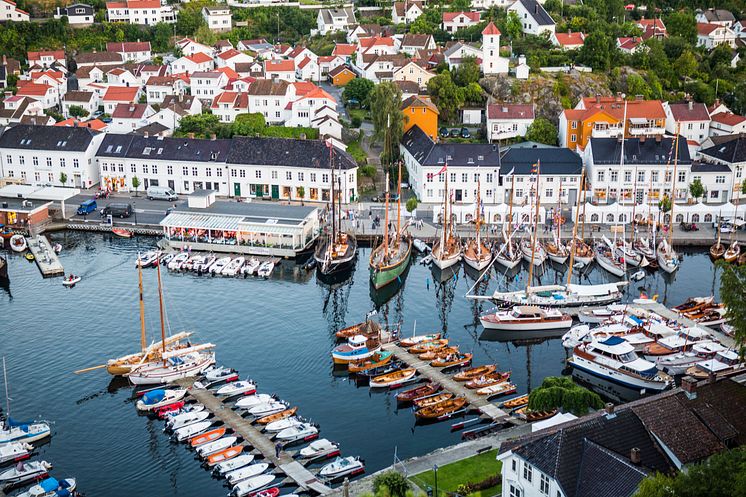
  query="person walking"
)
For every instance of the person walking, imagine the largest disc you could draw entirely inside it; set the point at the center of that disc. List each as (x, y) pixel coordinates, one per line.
(278, 448)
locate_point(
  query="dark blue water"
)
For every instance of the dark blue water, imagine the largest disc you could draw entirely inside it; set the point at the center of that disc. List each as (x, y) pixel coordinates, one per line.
(279, 332)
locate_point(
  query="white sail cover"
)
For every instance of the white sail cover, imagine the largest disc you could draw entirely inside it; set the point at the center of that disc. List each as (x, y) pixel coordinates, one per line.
(592, 290)
(187, 350)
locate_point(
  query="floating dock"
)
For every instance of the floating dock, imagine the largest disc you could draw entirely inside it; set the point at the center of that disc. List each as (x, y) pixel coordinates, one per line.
(256, 439)
(436, 375)
(47, 260)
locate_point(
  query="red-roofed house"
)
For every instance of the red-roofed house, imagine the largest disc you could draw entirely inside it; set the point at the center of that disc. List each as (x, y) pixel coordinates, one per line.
(727, 123)
(283, 70)
(307, 70)
(87, 100)
(568, 41)
(131, 51)
(147, 12)
(94, 124)
(712, 35)
(317, 109)
(9, 12)
(46, 95)
(231, 57)
(406, 12)
(159, 87)
(46, 59)
(55, 79)
(119, 95)
(508, 120)
(652, 28)
(121, 77)
(344, 49)
(328, 63)
(128, 117)
(691, 120)
(205, 85)
(228, 104)
(191, 47)
(630, 45)
(192, 63)
(453, 21)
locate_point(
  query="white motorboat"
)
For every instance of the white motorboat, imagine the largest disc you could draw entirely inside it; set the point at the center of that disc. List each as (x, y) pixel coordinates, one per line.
(272, 407)
(18, 243)
(637, 276)
(539, 255)
(178, 261)
(15, 431)
(421, 246)
(166, 258)
(251, 266)
(148, 258)
(51, 487)
(282, 424)
(599, 315)
(233, 267)
(205, 450)
(203, 264)
(615, 360)
(250, 485)
(319, 448)
(246, 472)
(631, 257)
(243, 387)
(220, 373)
(71, 280)
(254, 400)
(187, 432)
(222, 468)
(526, 318)
(184, 410)
(676, 364)
(186, 419)
(219, 265)
(265, 270)
(303, 431)
(342, 466)
(15, 451)
(24, 472)
(179, 363)
(564, 296)
(159, 398)
(57, 247)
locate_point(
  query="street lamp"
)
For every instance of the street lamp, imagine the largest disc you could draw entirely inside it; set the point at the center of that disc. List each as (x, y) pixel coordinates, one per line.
(435, 471)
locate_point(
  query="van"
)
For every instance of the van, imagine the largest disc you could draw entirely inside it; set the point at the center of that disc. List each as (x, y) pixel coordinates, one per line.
(87, 207)
(161, 193)
(117, 210)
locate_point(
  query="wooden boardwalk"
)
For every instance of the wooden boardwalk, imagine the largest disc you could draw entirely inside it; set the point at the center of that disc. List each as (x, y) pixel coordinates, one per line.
(241, 426)
(436, 375)
(47, 261)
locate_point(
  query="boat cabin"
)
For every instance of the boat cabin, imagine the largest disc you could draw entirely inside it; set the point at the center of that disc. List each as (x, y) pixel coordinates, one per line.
(617, 349)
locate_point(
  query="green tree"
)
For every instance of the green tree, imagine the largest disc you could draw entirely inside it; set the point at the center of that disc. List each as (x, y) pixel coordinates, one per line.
(467, 72)
(422, 26)
(637, 86)
(473, 94)
(77, 111)
(696, 188)
(411, 204)
(162, 37)
(596, 51)
(513, 26)
(63, 178)
(135, 184)
(190, 19)
(396, 483)
(733, 295)
(301, 191)
(562, 392)
(542, 131)
(248, 124)
(202, 125)
(682, 23)
(388, 119)
(665, 204)
(460, 5)
(687, 64)
(205, 35)
(358, 89)
(446, 96)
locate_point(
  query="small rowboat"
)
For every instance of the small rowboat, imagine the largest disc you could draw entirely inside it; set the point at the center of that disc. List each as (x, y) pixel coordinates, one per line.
(71, 280)
(488, 380)
(438, 353)
(224, 455)
(208, 436)
(414, 340)
(252, 485)
(122, 232)
(380, 371)
(417, 392)
(277, 416)
(163, 412)
(503, 388)
(441, 409)
(515, 402)
(270, 492)
(214, 447)
(392, 379)
(246, 472)
(432, 400)
(375, 361)
(351, 331)
(423, 347)
(454, 360)
(473, 373)
(531, 416)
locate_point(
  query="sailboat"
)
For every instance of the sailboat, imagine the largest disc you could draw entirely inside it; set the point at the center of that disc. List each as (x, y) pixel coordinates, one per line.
(508, 254)
(608, 259)
(335, 253)
(717, 250)
(668, 259)
(446, 251)
(20, 431)
(580, 252)
(174, 364)
(476, 253)
(390, 259)
(556, 250)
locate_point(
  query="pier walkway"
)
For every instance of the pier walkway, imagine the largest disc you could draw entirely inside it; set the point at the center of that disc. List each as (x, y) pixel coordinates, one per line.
(47, 260)
(437, 376)
(243, 427)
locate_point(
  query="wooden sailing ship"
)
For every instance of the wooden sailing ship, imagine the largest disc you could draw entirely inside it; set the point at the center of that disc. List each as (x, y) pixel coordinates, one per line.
(447, 250)
(476, 253)
(668, 259)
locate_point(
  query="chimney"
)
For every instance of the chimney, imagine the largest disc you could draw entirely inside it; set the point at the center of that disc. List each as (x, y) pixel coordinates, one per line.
(691, 104)
(618, 96)
(598, 98)
(213, 136)
(689, 385)
(634, 456)
(536, 8)
(609, 408)
(145, 134)
(191, 136)
(5, 60)
(638, 98)
(717, 102)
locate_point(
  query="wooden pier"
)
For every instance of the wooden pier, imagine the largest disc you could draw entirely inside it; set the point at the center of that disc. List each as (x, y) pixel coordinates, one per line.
(256, 439)
(436, 375)
(47, 260)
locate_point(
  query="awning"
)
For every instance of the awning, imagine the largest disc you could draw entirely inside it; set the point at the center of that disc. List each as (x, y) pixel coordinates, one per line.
(201, 221)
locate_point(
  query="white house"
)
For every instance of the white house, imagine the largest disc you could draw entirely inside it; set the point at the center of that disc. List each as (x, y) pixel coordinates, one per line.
(199, 62)
(46, 95)
(453, 21)
(131, 51)
(159, 87)
(331, 20)
(721, 17)
(228, 104)
(9, 12)
(47, 59)
(232, 57)
(38, 154)
(217, 18)
(630, 44)
(406, 12)
(414, 72)
(508, 120)
(691, 119)
(307, 70)
(174, 107)
(568, 41)
(727, 158)
(126, 118)
(205, 85)
(712, 35)
(283, 70)
(739, 28)
(492, 62)
(191, 47)
(727, 123)
(87, 100)
(148, 12)
(115, 95)
(78, 14)
(460, 51)
(413, 43)
(15, 108)
(382, 67)
(121, 77)
(534, 19)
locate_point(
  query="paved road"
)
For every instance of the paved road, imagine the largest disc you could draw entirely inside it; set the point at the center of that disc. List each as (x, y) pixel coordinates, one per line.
(336, 92)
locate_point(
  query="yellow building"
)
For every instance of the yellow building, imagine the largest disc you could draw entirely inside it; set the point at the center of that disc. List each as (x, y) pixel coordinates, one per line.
(341, 75)
(420, 111)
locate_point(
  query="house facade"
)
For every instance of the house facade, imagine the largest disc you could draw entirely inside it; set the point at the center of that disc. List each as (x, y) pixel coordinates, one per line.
(78, 14)
(506, 121)
(9, 12)
(535, 20)
(147, 12)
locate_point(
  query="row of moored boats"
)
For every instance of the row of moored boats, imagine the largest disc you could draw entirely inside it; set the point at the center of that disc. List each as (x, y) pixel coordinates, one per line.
(210, 264)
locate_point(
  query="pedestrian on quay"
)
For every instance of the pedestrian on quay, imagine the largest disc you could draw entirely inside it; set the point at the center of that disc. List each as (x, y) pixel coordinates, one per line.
(278, 448)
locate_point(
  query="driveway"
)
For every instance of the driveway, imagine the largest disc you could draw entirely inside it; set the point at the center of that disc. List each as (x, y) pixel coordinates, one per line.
(336, 92)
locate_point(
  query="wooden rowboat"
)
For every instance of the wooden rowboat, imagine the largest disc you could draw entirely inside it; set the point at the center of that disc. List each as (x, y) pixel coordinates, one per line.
(208, 436)
(717, 251)
(488, 380)
(412, 341)
(503, 388)
(532, 416)
(473, 373)
(367, 328)
(277, 416)
(454, 360)
(428, 346)
(432, 400)
(440, 409)
(438, 353)
(122, 232)
(417, 392)
(224, 455)
(393, 378)
(375, 361)
(515, 402)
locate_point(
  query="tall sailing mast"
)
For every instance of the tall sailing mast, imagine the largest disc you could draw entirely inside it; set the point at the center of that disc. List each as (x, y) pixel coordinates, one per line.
(333, 238)
(573, 243)
(386, 225)
(536, 229)
(673, 189)
(7, 390)
(160, 305)
(143, 342)
(634, 206)
(558, 217)
(398, 205)
(478, 220)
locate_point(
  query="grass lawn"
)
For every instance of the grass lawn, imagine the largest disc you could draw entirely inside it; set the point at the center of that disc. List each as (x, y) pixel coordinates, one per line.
(361, 113)
(473, 469)
(357, 152)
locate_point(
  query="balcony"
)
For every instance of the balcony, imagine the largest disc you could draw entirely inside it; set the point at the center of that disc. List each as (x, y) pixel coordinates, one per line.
(605, 132)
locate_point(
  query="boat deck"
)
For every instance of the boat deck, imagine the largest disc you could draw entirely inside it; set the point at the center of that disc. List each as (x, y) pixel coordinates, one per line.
(669, 314)
(47, 261)
(437, 376)
(256, 439)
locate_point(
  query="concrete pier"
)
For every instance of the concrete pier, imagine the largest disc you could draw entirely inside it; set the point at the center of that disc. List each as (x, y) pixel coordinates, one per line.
(48, 262)
(436, 375)
(258, 440)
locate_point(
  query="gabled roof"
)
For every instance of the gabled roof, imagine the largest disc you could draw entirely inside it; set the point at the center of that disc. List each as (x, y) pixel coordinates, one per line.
(130, 111)
(236, 100)
(648, 109)
(98, 58)
(94, 124)
(135, 4)
(279, 65)
(180, 104)
(268, 87)
(303, 87)
(416, 40)
(344, 49)
(554, 161)
(637, 151)
(400, 7)
(428, 153)
(304, 62)
(284, 152)
(719, 15)
(36, 56)
(78, 96)
(60, 138)
(318, 93)
(128, 46)
(603, 472)
(682, 112)
(491, 29)
(340, 69)
(732, 151)
(537, 12)
(510, 111)
(230, 53)
(33, 89)
(121, 94)
(451, 16)
(628, 43)
(199, 58)
(419, 102)
(705, 29)
(727, 118)
(570, 39)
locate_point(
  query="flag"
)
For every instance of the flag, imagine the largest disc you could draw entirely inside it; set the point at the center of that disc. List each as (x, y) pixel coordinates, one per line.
(329, 143)
(535, 168)
(445, 168)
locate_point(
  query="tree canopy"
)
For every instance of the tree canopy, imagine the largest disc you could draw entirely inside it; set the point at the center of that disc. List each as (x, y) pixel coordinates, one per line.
(542, 131)
(385, 109)
(358, 89)
(561, 391)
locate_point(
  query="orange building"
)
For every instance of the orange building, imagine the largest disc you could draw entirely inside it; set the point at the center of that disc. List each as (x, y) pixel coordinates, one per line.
(603, 117)
(341, 75)
(420, 111)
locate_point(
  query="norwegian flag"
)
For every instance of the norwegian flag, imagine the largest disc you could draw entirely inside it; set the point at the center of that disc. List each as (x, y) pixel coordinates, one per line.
(445, 168)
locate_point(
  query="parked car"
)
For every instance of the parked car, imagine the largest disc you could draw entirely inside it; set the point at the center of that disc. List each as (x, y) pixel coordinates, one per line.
(161, 193)
(117, 210)
(455, 133)
(465, 133)
(86, 207)
(381, 197)
(444, 132)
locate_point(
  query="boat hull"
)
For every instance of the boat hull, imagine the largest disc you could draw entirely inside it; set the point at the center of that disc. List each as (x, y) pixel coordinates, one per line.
(380, 277)
(526, 326)
(478, 263)
(338, 267)
(609, 266)
(168, 375)
(614, 376)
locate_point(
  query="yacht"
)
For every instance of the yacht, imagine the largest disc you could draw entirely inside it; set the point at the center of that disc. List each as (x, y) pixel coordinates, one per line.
(526, 318)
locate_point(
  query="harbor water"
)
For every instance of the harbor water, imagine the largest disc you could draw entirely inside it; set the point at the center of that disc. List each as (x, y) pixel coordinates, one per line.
(279, 332)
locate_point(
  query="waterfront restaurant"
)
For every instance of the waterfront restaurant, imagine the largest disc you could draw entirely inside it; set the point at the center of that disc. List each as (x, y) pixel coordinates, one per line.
(244, 228)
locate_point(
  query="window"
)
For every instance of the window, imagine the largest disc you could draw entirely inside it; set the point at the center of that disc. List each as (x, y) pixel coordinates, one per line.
(514, 465)
(627, 176)
(641, 176)
(667, 179)
(453, 177)
(258, 174)
(35, 161)
(185, 171)
(544, 484)
(219, 172)
(274, 174)
(573, 138)
(720, 179)
(300, 176)
(528, 472)
(549, 193)
(288, 175)
(208, 172)
(682, 176)
(519, 193)
(145, 169)
(169, 169)
(601, 175)
(325, 178)
(714, 194)
(489, 177)
(574, 125)
(76, 163)
(242, 173)
(654, 176)
(62, 162)
(614, 176)
(515, 491)
(194, 171)
(313, 177)
(464, 177)
(49, 162)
